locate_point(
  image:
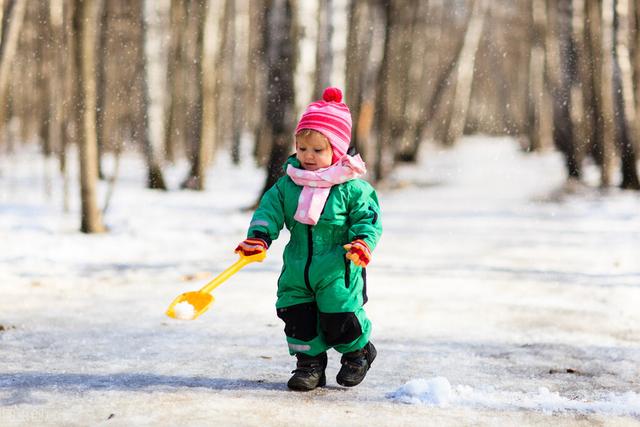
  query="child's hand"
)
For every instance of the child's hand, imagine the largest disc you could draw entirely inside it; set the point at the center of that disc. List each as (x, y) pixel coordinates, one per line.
(251, 246)
(358, 252)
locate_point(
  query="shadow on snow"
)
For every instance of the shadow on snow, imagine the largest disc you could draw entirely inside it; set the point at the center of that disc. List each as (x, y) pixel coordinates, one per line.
(22, 383)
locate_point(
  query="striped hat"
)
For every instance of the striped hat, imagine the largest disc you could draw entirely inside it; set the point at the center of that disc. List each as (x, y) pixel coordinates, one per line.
(331, 118)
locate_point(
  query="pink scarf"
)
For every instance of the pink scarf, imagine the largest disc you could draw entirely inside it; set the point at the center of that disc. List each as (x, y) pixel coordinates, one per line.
(316, 185)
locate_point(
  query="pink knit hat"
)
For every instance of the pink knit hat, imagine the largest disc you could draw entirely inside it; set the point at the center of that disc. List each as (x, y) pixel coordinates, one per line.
(331, 118)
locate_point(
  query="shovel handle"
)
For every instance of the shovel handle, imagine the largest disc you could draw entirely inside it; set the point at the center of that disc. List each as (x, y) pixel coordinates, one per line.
(233, 269)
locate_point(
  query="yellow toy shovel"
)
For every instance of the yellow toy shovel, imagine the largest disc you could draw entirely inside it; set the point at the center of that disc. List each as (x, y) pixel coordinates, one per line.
(190, 305)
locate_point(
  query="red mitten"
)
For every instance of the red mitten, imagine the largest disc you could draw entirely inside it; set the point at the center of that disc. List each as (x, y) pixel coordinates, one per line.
(251, 246)
(358, 252)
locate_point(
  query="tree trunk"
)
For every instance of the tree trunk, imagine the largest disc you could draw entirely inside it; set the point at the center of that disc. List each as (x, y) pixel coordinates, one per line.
(595, 59)
(86, 23)
(416, 79)
(464, 80)
(590, 68)
(537, 137)
(70, 108)
(56, 88)
(399, 102)
(257, 76)
(44, 79)
(103, 64)
(147, 53)
(193, 53)
(636, 55)
(239, 81)
(582, 126)
(608, 102)
(176, 105)
(365, 44)
(324, 52)
(224, 90)
(384, 156)
(625, 114)
(280, 96)
(8, 43)
(563, 129)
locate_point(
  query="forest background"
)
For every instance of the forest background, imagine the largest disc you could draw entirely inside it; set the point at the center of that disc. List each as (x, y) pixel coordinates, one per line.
(186, 79)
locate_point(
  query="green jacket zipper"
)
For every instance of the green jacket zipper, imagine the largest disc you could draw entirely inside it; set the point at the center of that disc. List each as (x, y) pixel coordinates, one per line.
(309, 256)
(347, 272)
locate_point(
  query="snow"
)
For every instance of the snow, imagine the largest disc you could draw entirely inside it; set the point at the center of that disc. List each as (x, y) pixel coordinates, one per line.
(183, 310)
(435, 391)
(438, 392)
(495, 300)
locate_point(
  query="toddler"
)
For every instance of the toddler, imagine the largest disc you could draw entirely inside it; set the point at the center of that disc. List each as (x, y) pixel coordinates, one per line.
(334, 221)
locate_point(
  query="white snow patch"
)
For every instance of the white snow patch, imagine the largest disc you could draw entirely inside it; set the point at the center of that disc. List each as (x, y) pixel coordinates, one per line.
(439, 392)
(184, 310)
(435, 391)
(504, 292)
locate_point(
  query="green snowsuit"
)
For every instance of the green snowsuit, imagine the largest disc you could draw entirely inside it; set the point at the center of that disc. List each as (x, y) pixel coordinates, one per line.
(321, 292)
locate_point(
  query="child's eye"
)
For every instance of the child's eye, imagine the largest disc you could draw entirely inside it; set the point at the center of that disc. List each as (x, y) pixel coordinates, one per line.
(302, 149)
(318, 150)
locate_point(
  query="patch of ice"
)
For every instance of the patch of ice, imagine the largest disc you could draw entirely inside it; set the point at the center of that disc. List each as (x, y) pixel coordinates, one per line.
(185, 311)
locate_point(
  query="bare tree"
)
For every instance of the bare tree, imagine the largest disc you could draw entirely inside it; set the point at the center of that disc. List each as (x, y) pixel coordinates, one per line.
(414, 55)
(280, 62)
(608, 102)
(586, 99)
(56, 86)
(563, 129)
(464, 79)
(11, 22)
(176, 103)
(155, 178)
(85, 25)
(624, 103)
(365, 43)
(192, 85)
(324, 53)
(239, 71)
(257, 81)
(536, 76)
(224, 70)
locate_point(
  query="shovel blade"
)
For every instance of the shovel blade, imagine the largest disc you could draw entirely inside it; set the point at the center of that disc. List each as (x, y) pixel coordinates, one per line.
(200, 302)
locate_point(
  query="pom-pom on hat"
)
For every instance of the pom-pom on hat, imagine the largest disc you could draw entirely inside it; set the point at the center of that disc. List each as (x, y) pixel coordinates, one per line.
(332, 118)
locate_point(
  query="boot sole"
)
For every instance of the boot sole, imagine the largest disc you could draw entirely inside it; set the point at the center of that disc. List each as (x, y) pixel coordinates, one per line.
(348, 383)
(301, 387)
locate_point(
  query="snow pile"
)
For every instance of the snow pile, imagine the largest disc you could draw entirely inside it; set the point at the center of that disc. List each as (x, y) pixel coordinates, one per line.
(439, 392)
(435, 391)
(185, 311)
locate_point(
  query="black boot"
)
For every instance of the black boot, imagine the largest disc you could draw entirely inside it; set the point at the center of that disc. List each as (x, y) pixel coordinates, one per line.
(309, 372)
(355, 365)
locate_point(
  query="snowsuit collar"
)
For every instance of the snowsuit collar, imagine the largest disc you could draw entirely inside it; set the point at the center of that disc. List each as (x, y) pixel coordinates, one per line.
(317, 184)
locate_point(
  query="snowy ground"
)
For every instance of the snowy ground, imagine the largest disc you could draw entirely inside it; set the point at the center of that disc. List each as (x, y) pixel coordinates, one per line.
(493, 300)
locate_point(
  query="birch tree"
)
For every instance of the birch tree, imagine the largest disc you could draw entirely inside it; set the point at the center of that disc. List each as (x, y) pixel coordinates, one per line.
(12, 21)
(324, 53)
(192, 86)
(606, 83)
(85, 25)
(624, 103)
(280, 97)
(536, 76)
(464, 78)
(365, 43)
(148, 50)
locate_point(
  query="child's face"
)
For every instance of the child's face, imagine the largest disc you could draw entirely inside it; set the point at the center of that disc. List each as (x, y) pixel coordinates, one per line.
(313, 151)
